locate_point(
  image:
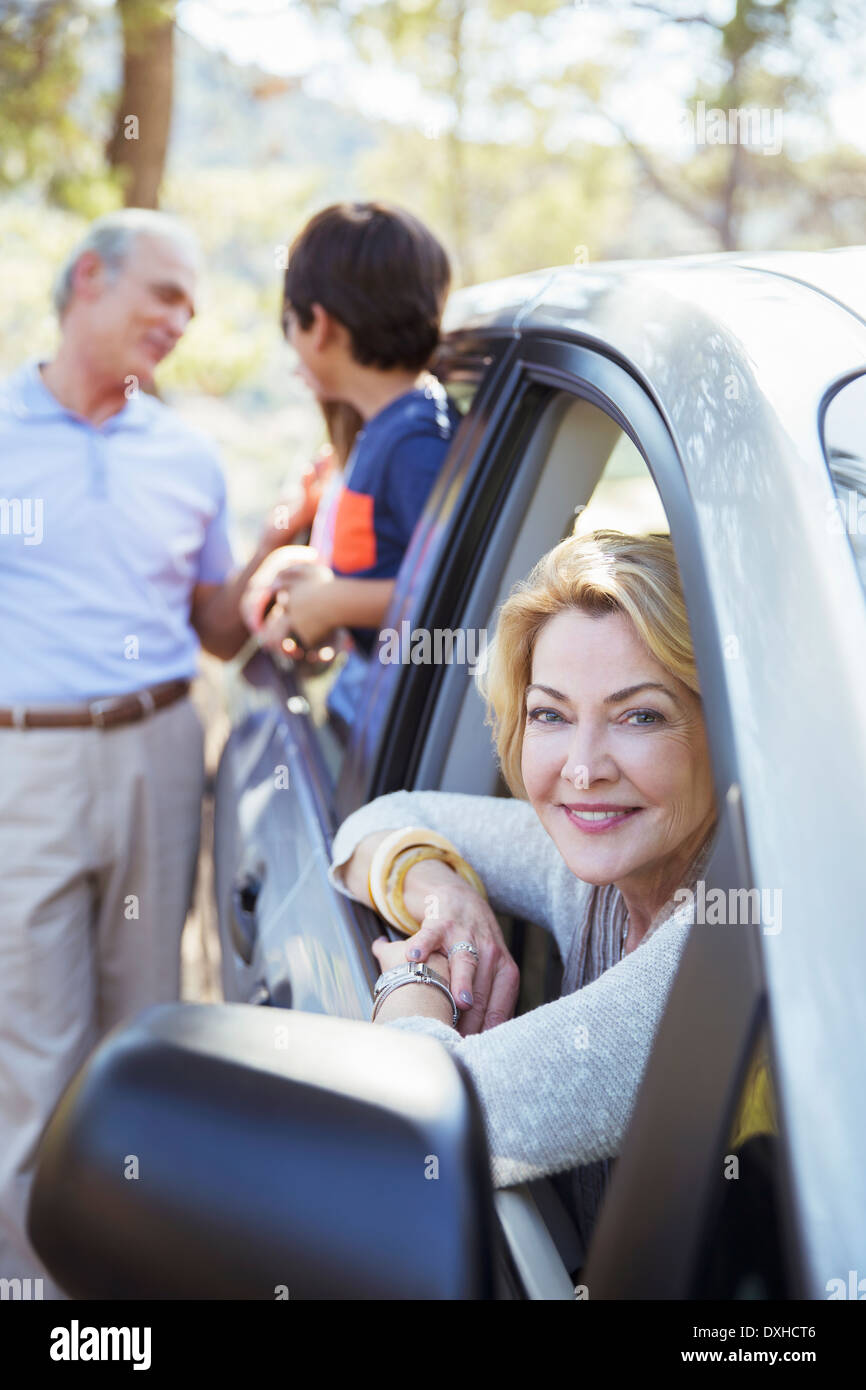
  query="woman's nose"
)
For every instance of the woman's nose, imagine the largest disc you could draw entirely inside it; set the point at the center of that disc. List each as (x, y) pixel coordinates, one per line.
(588, 760)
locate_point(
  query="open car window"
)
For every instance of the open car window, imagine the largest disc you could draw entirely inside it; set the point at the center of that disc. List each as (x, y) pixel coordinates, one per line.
(580, 471)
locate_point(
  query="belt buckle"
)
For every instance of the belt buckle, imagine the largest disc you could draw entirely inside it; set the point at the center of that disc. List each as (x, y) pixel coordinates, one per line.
(146, 701)
(99, 709)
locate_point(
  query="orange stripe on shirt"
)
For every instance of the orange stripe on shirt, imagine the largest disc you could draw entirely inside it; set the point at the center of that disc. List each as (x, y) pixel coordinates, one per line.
(354, 533)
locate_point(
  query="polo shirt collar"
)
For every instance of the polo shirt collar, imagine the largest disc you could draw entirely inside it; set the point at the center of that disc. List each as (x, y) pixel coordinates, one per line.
(36, 401)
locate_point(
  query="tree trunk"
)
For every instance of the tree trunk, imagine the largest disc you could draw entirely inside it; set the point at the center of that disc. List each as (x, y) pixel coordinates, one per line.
(138, 145)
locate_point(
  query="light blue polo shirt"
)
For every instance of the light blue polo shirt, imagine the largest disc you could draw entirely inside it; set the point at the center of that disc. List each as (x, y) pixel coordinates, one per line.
(104, 532)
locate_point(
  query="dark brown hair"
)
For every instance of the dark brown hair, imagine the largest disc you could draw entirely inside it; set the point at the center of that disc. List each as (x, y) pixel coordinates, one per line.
(380, 272)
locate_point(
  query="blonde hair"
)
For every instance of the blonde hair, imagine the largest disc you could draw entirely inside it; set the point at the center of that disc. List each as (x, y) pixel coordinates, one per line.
(602, 572)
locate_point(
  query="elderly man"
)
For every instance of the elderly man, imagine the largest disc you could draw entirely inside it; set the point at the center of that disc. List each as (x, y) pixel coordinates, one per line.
(114, 566)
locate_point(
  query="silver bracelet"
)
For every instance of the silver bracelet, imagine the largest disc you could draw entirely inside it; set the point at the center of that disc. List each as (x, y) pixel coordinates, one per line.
(418, 973)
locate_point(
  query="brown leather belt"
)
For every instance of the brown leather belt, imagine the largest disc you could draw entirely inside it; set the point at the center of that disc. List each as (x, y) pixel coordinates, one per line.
(104, 714)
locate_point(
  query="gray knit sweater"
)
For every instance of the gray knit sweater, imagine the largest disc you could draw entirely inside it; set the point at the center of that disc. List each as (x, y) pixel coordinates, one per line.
(558, 1084)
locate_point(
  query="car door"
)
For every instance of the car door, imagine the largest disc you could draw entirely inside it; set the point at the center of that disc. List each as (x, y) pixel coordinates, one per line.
(566, 412)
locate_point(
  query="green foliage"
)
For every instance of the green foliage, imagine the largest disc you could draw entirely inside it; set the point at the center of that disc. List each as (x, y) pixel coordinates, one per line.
(525, 207)
(246, 173)
(244, 219)
(46, 139)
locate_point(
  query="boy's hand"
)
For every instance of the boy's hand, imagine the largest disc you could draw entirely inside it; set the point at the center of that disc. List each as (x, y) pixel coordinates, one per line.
(272, 574)
(303, 609)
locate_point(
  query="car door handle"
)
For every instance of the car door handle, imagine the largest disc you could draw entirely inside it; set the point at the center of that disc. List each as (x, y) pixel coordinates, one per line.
(242, 920)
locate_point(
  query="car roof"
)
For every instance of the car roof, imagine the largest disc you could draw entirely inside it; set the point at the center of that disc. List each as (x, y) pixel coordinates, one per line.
(532, 300)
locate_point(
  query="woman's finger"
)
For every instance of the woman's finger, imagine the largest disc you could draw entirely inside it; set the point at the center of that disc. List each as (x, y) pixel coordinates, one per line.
(427, 938)
(503, 993)
(473, 1019)
(464, 967)
(439, 936)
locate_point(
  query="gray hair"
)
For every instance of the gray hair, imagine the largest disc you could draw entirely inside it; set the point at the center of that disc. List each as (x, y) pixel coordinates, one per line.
(112, 238)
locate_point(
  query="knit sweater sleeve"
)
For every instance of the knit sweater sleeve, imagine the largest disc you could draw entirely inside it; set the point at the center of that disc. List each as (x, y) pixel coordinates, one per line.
(558, 1085)
(503, 840)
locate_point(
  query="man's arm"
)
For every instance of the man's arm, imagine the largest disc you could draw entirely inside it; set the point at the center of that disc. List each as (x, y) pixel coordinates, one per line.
(215, 612)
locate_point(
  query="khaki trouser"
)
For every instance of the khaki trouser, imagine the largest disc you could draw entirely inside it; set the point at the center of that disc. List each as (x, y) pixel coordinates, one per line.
(99, 834)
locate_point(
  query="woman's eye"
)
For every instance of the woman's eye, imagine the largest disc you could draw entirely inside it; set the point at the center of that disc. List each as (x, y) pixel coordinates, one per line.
(538, 716)
(646, 717)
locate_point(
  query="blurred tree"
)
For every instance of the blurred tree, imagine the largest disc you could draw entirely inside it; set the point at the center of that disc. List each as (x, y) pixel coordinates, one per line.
(429, 39)
(759, 59)
(40, 72)
(139, 141)
(506, 71)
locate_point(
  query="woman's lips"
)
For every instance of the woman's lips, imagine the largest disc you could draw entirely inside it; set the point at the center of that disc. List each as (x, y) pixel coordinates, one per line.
(596, 825)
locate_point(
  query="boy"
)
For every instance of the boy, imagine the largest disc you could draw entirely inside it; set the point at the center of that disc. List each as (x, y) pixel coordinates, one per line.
(362, 302)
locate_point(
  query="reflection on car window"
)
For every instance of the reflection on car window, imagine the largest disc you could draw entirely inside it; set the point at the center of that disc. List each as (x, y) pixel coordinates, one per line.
(845, 451)
(742, 1254)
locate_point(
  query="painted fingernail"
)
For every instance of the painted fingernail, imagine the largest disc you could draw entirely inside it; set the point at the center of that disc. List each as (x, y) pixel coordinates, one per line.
(415, 954)
(466, 996)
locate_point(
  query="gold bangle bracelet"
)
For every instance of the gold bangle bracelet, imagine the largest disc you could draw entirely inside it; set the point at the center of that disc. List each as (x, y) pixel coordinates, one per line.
(400, 866)
(394, 846)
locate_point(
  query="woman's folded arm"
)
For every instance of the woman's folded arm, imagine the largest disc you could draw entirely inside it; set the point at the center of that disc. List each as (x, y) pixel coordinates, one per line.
(558, 1085)
(501, 838)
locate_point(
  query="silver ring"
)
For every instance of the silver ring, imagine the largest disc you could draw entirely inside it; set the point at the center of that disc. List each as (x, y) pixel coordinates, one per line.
(462, 946)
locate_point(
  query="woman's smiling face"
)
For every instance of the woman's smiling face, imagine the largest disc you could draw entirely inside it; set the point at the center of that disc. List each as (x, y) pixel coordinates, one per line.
(608, 726)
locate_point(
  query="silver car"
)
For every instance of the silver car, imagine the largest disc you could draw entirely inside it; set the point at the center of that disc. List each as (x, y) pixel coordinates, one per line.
(723, 399)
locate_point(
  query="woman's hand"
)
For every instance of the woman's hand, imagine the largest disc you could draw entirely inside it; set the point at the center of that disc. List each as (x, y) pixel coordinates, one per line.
(485, 990)
(410, 1001)
(449, 911)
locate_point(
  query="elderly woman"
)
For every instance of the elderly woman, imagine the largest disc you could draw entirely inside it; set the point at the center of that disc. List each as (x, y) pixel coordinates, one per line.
(594, 699)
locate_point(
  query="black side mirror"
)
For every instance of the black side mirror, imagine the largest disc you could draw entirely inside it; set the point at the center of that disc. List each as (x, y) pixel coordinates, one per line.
(224, 1151)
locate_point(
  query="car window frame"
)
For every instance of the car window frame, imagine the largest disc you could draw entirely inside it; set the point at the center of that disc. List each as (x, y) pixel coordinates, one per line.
(830, 395)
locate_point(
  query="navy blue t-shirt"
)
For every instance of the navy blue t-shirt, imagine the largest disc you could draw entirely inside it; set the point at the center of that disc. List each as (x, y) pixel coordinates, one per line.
(390, 472)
